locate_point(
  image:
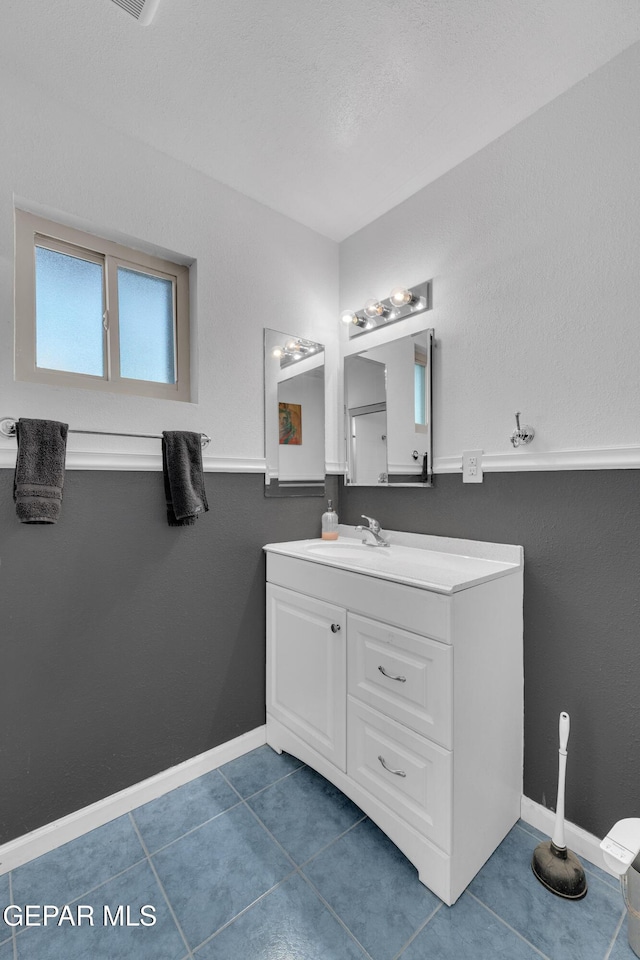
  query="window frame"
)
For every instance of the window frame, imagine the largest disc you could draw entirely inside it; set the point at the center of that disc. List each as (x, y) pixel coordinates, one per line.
(32, 231)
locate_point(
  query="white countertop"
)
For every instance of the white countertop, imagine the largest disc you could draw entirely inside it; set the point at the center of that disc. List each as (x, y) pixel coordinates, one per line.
(442, 564)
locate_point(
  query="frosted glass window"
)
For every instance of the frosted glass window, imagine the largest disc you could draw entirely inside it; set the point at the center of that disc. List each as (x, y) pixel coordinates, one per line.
(92, 313)
(147, 346)
(69, 309)
(420, 393)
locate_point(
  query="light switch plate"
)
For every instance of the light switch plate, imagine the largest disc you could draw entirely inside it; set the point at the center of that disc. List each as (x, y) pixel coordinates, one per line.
(472, 466)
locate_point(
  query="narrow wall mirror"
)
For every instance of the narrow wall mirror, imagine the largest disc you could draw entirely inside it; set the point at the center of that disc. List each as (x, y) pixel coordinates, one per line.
(293, 415)
(388, 412)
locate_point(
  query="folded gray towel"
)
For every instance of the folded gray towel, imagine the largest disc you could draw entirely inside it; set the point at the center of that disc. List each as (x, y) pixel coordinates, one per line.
(39, 476)
(183, 477)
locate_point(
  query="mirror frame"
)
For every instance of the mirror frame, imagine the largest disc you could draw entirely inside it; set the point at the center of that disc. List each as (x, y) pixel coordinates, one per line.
(366, 342)
(275, 486)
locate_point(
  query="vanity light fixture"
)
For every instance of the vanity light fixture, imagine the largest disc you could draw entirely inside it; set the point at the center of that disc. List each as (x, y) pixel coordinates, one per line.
(402, 302)
(294, 350)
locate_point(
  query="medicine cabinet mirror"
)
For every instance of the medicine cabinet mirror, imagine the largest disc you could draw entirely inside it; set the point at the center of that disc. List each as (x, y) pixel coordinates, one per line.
(388, 411)
(294, 415)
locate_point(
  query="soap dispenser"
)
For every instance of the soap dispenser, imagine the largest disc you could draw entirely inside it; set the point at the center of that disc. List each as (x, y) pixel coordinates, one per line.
(330, 523)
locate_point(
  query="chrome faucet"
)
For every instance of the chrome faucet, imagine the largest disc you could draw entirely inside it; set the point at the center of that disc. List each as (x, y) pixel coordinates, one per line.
(374, 530)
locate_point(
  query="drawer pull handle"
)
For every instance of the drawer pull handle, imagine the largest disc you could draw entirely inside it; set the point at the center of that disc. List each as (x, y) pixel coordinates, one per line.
(335, 627)
(390, 676)
(398, 773)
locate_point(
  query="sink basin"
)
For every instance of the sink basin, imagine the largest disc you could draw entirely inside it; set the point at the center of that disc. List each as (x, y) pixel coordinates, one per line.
(340, 550)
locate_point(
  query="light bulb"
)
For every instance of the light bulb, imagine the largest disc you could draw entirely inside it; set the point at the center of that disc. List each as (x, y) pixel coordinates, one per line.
(292, 345)
(373, 309)
(400, 296)
(348, 316)
(277, 352)
(360, 322)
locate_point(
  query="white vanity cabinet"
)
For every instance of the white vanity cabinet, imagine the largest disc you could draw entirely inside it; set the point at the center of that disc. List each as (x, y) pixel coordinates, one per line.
(407, 697)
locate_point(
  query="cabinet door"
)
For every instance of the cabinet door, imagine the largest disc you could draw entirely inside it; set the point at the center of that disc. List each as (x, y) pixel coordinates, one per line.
(306, 670)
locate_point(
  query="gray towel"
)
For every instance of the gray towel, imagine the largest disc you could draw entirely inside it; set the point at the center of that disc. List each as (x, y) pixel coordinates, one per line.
(39, 476)
(183, 477)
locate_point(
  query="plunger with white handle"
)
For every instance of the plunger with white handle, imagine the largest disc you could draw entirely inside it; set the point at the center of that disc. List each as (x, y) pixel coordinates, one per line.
(557, 868)
(564, 726)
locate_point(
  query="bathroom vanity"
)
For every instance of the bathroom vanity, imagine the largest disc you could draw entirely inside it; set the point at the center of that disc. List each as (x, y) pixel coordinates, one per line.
(396, 673)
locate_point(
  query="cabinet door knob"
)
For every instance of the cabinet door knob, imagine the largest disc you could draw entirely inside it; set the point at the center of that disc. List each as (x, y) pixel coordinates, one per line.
(398, 773)
(390, 676)
(335, 627)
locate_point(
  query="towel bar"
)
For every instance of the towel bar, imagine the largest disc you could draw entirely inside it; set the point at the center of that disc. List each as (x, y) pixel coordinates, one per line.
(8, 429)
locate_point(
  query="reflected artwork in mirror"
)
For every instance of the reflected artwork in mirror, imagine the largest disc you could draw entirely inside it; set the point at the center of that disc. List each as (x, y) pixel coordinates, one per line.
(294, 415)
(388, 415)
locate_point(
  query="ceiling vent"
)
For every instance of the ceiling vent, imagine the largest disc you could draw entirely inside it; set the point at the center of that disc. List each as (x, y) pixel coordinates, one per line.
(142, 10)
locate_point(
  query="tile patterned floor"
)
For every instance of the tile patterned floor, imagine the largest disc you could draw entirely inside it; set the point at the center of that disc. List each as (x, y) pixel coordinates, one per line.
(263, 859)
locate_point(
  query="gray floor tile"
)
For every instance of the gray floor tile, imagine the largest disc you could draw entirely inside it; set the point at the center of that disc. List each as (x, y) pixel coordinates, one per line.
(290, 922)
(80, 865)
(223, 872)
(215, 872)
(467, 931)
(136, 888)
(562, 929)
(5, 900)
(621, 949)
(259, 768)
(177, 812)
(6, 951)
(373, 888)
(305, 812)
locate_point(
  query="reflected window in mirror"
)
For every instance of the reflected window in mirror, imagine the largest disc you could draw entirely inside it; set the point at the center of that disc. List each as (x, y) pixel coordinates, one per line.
(387, 405)
(294, 402)
(420, 388)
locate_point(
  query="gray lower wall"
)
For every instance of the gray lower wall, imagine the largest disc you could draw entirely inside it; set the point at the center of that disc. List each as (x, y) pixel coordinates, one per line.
(128, 646)
(580, 531)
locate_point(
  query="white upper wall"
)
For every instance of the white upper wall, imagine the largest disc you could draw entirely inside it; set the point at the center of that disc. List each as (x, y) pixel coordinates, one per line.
(533, 248)
(255, 268)
(532, 245)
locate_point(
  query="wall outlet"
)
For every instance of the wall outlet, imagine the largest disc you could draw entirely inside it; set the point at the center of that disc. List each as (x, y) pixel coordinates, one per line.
(472, 466)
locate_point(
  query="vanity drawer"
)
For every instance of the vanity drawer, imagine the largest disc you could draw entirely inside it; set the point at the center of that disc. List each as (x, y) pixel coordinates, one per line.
(408, 607)
(419, 790)
(405, 676)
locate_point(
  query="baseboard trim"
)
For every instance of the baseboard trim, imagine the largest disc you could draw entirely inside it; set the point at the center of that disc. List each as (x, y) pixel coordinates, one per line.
(583, 844)
(52, 835)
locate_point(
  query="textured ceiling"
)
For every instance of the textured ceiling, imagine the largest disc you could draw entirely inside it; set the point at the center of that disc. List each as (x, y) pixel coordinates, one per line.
(330, 112)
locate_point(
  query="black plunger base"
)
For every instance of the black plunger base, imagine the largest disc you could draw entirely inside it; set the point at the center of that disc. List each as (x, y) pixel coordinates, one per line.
(559, 870)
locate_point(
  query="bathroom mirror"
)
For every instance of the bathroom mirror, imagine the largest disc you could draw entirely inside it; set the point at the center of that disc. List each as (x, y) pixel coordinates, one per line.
(293, 415)
(388, 415)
